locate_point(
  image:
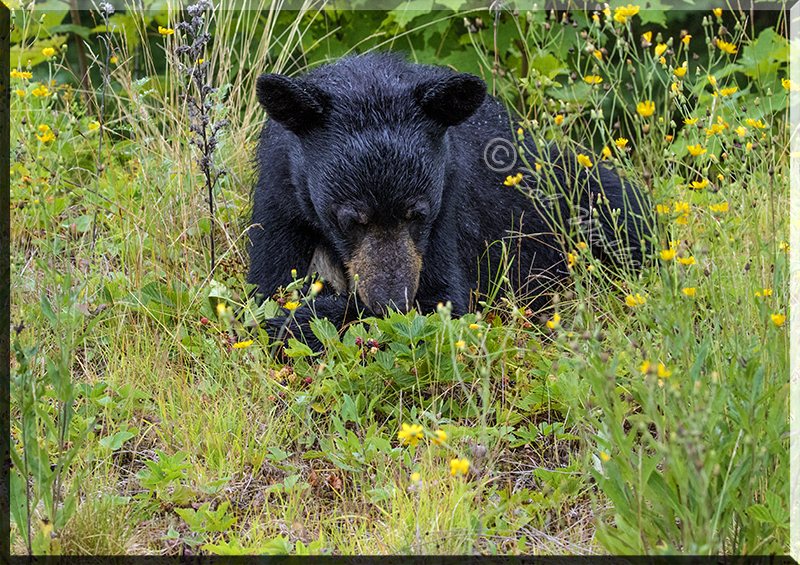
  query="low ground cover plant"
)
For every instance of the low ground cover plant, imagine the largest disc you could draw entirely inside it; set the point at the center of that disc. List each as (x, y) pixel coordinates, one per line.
(152, 415)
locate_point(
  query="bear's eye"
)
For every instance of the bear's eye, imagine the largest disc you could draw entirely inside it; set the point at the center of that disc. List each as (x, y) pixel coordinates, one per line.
(418, 211)
(348, 218)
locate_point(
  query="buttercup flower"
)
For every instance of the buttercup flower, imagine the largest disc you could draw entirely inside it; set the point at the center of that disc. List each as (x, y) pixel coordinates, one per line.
(778, 319)
(688, 291)
(696, 150)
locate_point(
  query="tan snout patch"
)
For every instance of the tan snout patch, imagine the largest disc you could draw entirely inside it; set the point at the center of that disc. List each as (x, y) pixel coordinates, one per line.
(388, 266)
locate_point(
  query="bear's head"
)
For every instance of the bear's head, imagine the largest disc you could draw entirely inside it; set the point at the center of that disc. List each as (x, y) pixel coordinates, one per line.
(369, 164)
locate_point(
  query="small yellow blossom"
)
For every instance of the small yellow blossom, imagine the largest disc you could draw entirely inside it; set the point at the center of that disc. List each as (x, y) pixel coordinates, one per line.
(717, 12)
(764, 293)
(46, 137)
(755, 123)
(598, 54)
(165, 30)
(680, 71)
(712, 80)
(554, 322)
(646, 108)
(316, 288)
(606, 152)
(621, 142)
(668, 254)
(784, 247)
(699, 185)
(682, 207)
(741, 131)
(778, 319)
(728, 91)
(220, 308)
(689, 121)
(410, 434)
(631, 301)
(662, 371)
(94, 125)
(648, 36)
(513, 180)
(460, 343)
(662, 61)
(721, 207)
(789, 84)
(20, 93)
(48, 51)
(459, 467)
(414, 477)
(686, 261)
(40, 90)
(243, 344)
(729, 48)
(696, 150)
(688, 291)
(605, 456)
(291, 305)
(662, 209)
(645, 367)
(559, 119)
(584, 160)
(749, 146)
(660, 48)
(687, 39)
(593, 79)
(44, 128)
(441, 437)
(474, 326)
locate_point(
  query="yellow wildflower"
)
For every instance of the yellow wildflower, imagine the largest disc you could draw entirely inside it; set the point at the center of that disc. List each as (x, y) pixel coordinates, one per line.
(741, 131)
(648, 36)
(606, 152)
(778, 319)
(689, 121)
(686, 261)
(593, 79)
(513, 180)
(48, 51)
(94, 125)
(728, 91)
(668, 254)
(696, 150)
(459, 467)
(680, 71)
(621, 142)
(46, 137)
(243, 344)
(40, 90)
(291, 305)
(712, 80)
(316, 288)
(414, 477)
(729, 48)
(789, 84)
(460, 343)
(645, 367)
(20, 93)
(755, 124)
(717, 12)
(660, 48)
(686, 39)
(662, 371)
(605, 456)
(559, 119)
(441, 437)
(584, 160)
(688, 291)
(699, 185)
(646, 108)
(662, 209)
(165, 30)
(554, 322)
(410, 434)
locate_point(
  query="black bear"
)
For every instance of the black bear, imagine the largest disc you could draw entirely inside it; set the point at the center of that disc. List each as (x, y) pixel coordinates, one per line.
(391, 181)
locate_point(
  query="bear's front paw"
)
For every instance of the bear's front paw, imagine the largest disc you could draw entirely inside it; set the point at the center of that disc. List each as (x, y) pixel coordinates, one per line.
(294, 325)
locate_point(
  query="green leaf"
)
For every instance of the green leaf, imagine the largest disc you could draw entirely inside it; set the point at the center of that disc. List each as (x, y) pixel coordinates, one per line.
(759, 512)
(115, 442)
(297, 349)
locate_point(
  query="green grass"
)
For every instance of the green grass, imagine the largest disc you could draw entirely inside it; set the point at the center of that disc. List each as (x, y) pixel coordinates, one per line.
(645, 420)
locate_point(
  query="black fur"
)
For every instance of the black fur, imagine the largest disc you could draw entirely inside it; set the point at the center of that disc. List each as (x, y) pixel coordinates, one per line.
(372, 163)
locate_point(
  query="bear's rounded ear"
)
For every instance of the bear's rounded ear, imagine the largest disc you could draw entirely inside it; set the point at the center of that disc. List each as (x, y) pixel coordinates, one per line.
(452, 100)
(297, 107)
